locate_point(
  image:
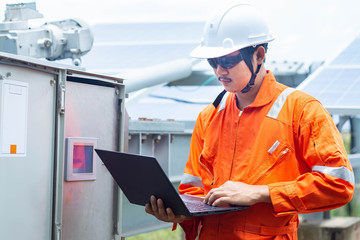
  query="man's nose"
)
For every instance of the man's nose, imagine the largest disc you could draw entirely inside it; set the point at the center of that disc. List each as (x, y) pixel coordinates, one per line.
(221, 71)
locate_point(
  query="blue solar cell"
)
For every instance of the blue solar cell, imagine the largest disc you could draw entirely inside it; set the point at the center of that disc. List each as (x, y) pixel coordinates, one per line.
(336, 87)
(343, 79)
(139, 32)
(134, 56)
(327, 99)
(350, 55)
(137, 45)
(322, 79)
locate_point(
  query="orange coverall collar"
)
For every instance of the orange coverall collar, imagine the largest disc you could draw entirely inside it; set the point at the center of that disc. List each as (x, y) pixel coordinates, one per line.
(266, 92)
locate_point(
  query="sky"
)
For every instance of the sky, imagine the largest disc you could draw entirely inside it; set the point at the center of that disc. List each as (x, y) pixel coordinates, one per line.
(305, 30)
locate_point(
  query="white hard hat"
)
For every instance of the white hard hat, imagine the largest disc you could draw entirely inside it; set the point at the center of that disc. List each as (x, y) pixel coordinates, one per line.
(238, 26)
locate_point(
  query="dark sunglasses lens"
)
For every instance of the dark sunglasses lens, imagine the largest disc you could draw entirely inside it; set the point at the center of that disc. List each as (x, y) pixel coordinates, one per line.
(213, 62)
(225, 62)
(230, 61)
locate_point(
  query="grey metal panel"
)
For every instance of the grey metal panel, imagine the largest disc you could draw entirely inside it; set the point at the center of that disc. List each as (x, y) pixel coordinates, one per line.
(343, 110)
(89, 206)
(39, 63)
(135, 221)
(170, 146)
(179, 152)
(150, 144)
(180, 103)
(355, 160)
(154, 126)
(26, 182)
(161, 153)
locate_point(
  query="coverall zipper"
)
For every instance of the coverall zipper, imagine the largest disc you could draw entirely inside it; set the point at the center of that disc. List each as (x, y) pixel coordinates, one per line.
(233, 158)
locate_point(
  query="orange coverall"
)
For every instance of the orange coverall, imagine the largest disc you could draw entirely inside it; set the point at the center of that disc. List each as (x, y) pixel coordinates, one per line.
(285, 139)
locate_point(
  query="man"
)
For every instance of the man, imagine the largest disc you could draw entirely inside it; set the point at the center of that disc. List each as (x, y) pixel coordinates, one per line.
(259, 144)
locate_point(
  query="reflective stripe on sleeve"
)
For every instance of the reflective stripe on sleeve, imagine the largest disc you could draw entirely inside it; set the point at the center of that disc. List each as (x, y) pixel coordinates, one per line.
(223, 101)
(191, 180)
(339, 172)
(279, 102)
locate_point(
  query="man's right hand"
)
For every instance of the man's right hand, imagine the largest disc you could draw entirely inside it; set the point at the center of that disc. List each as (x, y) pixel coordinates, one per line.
(156, 208)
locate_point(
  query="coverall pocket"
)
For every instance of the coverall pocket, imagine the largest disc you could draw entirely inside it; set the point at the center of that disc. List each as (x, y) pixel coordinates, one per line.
(206, 170)
(274, 161)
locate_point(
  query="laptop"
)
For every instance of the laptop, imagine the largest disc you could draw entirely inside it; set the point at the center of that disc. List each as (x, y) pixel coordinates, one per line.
(139, 177)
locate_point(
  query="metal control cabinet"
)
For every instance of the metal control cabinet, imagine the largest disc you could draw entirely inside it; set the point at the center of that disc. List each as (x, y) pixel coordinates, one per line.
(43, 105)
(26, 174)
(91, 111)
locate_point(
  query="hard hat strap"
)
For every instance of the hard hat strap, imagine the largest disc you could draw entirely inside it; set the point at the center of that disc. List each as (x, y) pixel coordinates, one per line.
(251, 83)
(248, 53)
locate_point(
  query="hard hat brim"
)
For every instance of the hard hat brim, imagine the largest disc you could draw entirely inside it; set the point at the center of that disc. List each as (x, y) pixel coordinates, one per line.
(215, 52)
(211, 52)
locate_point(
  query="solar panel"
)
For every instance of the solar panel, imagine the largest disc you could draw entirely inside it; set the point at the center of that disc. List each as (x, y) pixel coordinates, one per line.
(122, 46)
(140, 32)
(349, 56)
(118, 56)
(337, 84)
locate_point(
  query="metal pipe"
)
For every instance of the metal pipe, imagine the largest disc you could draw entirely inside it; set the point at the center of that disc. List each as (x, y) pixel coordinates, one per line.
(157, 74)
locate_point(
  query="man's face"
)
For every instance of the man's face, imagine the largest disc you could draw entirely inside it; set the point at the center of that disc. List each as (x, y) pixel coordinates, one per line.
(235, 78)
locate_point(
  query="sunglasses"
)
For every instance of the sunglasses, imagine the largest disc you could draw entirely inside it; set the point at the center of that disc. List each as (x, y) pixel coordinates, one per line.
(226, 62)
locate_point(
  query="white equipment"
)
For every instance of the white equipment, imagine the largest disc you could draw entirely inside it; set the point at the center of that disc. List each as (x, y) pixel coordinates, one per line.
(56, 40)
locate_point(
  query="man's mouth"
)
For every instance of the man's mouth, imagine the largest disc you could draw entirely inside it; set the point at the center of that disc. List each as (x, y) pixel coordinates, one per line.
(224, 79)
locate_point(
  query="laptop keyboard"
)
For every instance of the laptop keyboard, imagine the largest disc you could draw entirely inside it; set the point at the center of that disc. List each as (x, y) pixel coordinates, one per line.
(197, 206)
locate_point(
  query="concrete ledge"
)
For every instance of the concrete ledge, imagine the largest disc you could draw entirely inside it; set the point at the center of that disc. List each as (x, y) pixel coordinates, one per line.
(337, 228)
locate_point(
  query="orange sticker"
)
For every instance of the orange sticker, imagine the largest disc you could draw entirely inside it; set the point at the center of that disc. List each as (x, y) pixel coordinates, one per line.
(12, 149)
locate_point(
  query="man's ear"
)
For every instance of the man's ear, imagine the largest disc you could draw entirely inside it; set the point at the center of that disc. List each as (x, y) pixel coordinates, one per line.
(259, 55)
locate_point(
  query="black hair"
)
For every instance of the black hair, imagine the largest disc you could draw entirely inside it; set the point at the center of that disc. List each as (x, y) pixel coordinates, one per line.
(249, 51)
